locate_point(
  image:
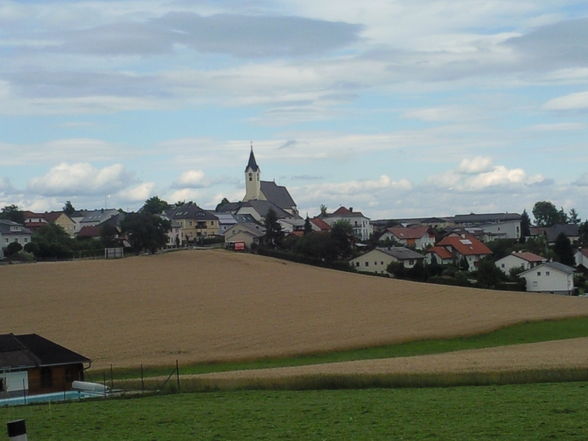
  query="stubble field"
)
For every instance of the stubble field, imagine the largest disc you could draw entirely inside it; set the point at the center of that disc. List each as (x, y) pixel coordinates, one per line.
(198, 306)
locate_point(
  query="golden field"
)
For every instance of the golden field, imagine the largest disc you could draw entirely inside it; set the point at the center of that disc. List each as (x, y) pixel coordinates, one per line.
(218, 305)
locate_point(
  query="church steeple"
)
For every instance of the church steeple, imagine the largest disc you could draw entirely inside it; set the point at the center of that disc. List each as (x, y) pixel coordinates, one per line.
(252, 178)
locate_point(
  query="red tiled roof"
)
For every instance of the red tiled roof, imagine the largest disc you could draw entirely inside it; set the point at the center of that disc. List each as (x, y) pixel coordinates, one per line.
(409, 232)
(466, 245)
(321, 224)
(342, 211)
(89, 231)
(297, 233)
(35, 225)
(443, 253)
(53, 216)
(529, 257)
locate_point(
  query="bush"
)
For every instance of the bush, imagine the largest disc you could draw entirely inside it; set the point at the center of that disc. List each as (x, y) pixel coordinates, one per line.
(12, 248)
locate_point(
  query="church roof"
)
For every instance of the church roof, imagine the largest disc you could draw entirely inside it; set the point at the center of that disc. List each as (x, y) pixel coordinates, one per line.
(263, 207)
(252, 164)
(277, 194)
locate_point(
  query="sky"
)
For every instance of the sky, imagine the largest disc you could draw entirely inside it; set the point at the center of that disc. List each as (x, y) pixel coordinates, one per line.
(396, 108)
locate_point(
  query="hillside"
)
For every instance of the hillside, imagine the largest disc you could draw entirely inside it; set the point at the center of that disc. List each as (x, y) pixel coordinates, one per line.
(218, 305)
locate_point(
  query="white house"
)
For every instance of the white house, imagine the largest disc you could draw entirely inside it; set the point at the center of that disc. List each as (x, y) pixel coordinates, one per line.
(248, 233)
(377, 260)
(550, 277)
(362, 228)
(581, 257)
(494, 225)
(12, 232)
(524, 259)
(465, 247)
(418, 237)
(439, 255)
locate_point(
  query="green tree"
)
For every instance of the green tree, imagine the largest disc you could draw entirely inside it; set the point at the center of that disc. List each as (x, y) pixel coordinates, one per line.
(273, 230)
(323, 210)
(546, 214)
(488, 274)
(68, 208)
(583, 231)
(51, 242)
(12, 248)
(307, 226)
(11, 212)
(109, 236)
(525, 225)
(573, 217)
(342, 235)
(145, 231)
(563, 250)
(154, 205)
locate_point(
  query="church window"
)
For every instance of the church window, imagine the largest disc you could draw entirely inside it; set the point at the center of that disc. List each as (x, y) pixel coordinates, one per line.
(250, 176)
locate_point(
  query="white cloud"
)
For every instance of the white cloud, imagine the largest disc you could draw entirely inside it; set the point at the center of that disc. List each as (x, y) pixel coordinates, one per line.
(5, 185)
(137, 193)
(582, 181)
(186, 194)
(192, 179)
(558, 127)
(474, 165)
(81, 178)
(573, 101)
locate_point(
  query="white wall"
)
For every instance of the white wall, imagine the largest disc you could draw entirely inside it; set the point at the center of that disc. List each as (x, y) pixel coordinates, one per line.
(507, 229)
(14, 381)
(542, 279)
(510, 262)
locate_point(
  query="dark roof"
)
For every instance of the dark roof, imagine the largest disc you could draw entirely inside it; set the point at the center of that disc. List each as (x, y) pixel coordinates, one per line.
(89, 231)
(401, 253)
(488, 217)
(190, 211)
(569, 230)
(9, 227)
(277, 194)
(252, 164)
(228, 207)
(263, 207)
(32, 350)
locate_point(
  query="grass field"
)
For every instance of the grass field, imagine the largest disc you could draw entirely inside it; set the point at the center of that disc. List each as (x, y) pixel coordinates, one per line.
(538, 412)
(203, 306)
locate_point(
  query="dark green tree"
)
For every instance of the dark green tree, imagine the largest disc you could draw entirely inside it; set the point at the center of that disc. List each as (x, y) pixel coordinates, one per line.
(488, 274)
(546, 214)
(51, 242)
(109, 236)
(154, 205)
(12, 248)
(145, 231)
(323, 210)
(11, 212)
(318, 245)
(307, 226)
(525, 225)
(342, 235)
(573, 217)
(563, 250)
(273, 230)
(583, 231)
(68, 208)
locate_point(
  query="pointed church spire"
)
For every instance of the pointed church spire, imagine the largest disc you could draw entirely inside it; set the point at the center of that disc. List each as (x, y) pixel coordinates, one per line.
(252, 164)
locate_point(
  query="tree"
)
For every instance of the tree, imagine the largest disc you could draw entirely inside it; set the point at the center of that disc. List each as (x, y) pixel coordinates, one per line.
(323, 210)
(583, 231)
(154, 205)
(11, 212)
(546, 214)
(342, 234)
(573, 217)
(273, 230)
(525, 225)
(51, 242)
(12, 248)
(109, 235)
(145, 231)
(563, 250)
(68, 208)
(225, 201)
(307, 226)
(488, 274)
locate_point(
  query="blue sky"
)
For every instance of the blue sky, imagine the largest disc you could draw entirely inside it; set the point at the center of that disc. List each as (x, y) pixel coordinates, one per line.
(396, 108)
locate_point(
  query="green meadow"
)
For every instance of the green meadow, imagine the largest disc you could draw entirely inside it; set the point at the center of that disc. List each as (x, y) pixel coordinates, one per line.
(533, 412)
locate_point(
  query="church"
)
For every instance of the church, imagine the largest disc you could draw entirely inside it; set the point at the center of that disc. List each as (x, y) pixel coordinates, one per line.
(263, 195)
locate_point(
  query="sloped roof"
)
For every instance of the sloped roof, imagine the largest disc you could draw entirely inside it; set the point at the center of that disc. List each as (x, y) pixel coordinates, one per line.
(263, 207)
(277, 194)
(345, 212)
(6, 226)
(584, 252)
(486, 217)
(466, 245)
(252, 163)
(400, 253)
(32, 350)
(248, 227)
(529, 257)
(228, 207)
(321, 224)
(89, 231)
(190, 211)
(442, 252)
(409, 232)
(554, 266)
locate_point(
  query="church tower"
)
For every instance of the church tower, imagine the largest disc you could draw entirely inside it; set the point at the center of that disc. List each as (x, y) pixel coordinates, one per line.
(252, 179)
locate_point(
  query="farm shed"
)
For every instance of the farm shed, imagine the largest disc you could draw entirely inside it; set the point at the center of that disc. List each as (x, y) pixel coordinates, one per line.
(34, 365)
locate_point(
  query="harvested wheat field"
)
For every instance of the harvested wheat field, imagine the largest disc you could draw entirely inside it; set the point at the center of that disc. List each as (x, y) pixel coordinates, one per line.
(218, 305)
(551, 355)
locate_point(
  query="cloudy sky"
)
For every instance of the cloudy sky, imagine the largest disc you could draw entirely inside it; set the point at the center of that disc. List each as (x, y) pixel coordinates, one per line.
(398, 108)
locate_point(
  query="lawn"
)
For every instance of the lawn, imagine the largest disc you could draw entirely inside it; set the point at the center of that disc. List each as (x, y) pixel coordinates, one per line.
(515, 412)
(518, 334)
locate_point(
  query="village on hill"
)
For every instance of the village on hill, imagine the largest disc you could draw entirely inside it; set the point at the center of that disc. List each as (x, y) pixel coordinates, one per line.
(488, 250)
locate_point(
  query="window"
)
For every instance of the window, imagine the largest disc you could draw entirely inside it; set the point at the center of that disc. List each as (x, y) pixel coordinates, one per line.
(2, 387)
(46, 377)
(538, 273)
(251, 176)
(502, 265)
(366, 264)
(546, 273)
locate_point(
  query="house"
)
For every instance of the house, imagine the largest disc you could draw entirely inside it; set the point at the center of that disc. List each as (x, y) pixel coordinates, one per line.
(550, 277)
(258, 209)
(522, 259)
(581, 258)
(13, 232)
(494, 225)
(320, 225)
(571, 231)
(91, 218)
(418, 237)
(35, 221)
(438, 255)
(377, 260)
(291, 224)
(465, 247)
(362, 228)
(32, 364)
(247, 233)
(195, 223)
(258, 190)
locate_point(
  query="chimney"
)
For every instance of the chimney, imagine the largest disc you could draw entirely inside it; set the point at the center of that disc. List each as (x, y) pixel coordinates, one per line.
(351, 209)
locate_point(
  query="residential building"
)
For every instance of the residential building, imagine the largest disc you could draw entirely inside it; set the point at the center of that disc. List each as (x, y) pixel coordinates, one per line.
(258, 209)
(195, 223)
(465, 247)
(581, 258)
(377, 260)
(517, 260)
(247, 233)
(92, 218)
(31, 364)
(494, 225)
(418, 237)
(550, 277)
(13, 232)
(35, 221)
(439, 255)
(571, 231)
(362, 228)
(320, 225)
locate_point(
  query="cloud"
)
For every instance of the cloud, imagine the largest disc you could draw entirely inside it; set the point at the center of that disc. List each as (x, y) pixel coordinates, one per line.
(192, 179)
(474, 165)
(573, 101)
(81, 179)
(186, 194)
(582, 181)
(137, 193)
(558, 127)
(5, 185)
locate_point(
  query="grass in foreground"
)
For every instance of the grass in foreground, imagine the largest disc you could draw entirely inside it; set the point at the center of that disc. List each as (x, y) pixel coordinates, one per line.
(490, 413)
(530, 332)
